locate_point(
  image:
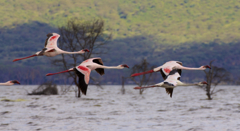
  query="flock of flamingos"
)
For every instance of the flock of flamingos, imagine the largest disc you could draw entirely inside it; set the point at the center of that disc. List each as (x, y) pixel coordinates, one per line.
(170, 71)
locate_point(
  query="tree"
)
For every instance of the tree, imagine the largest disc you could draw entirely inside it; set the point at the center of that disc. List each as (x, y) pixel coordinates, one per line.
(143, 80)
(215, 76)
(47, 88)
(77, 35)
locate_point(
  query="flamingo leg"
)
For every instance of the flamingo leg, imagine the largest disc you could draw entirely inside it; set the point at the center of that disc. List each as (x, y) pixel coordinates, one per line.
(24, 58)
(49, 74)
(142, 73)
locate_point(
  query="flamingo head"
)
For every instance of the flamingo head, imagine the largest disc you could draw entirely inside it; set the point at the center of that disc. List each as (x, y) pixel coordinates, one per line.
(125, 66)
(202, 83)
(86, 50)
(15, 82)
(207, 66)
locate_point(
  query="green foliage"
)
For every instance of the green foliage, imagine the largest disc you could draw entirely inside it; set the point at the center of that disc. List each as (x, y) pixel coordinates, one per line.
(27, 39)
(169, 22)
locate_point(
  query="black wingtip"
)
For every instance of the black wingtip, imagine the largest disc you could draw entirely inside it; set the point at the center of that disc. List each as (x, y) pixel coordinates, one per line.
(84, 92)
(49, 34)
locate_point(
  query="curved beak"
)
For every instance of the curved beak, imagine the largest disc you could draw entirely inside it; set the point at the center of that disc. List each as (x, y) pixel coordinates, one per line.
(204, 82)
(15, 81)
(86, 50)
(207, 66)
(124, 65)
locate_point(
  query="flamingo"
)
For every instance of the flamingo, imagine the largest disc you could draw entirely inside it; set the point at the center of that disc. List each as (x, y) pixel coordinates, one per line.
(51, 49)
(166, 68)
(171, 82)
(9, 83)
(84, 69)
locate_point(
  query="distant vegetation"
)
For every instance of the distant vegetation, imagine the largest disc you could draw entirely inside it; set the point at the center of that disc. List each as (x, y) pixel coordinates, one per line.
(27, 39)
(194, 32)
(169, 22)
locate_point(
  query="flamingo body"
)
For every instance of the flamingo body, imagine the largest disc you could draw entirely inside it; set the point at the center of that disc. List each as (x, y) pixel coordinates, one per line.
(168, 67)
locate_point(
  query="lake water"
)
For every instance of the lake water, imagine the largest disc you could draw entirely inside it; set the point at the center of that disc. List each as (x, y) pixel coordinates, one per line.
(109, 110)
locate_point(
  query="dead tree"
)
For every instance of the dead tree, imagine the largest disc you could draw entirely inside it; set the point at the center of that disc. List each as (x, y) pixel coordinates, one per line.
(215, 76)
(47, 88)
(77, 35)
(123, 83)
(143, 80)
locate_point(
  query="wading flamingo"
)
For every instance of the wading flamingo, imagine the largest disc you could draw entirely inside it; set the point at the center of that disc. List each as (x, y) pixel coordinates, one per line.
(171, 82)
(51, 49)
(9, 83)
(84, 69)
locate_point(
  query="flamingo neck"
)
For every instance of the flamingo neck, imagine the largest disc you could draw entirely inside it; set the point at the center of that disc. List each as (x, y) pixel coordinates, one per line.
(157, 85)
(109, 67)
(188, 68)
(5, 84)
(66, 52)
(112, 67)
(186, 84)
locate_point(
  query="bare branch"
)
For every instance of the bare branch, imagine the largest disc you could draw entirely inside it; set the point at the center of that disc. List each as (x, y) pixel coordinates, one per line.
(214, 77)
(76, 35)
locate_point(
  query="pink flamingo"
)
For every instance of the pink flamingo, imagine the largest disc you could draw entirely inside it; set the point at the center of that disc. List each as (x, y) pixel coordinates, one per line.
(171, 72)
(51, 49)
(9, 83)
(166, 68)
(84, 69)
(171, 82)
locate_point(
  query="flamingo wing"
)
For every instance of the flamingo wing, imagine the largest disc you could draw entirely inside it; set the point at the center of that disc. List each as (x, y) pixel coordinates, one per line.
(83, 75)
(179, 70)
(171, 80)
(48, 36)
(173, 71)
(46, 50)
(169, 91)
(180, 63)
(99, 70)
(51, 41)
(163, 74)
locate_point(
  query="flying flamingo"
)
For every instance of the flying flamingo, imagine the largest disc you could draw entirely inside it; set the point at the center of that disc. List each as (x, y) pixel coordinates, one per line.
(84, 69)
(51, 49)
(9, 83)
(166, 68)
(171, 82)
